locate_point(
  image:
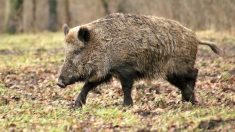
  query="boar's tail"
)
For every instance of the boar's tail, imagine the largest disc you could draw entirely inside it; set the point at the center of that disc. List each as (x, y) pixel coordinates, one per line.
(213, 47)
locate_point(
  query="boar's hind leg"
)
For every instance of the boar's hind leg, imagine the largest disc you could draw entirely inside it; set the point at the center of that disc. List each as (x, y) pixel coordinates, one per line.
(88, 86)
(186, 83)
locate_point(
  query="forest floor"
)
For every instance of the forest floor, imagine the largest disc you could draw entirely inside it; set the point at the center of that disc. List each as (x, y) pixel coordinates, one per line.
(31, 101)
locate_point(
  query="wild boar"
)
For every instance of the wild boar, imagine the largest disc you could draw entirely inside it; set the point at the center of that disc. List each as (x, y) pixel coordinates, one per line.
(131, 47)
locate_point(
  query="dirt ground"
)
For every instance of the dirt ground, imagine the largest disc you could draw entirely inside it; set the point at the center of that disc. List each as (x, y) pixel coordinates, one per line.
(31, 101)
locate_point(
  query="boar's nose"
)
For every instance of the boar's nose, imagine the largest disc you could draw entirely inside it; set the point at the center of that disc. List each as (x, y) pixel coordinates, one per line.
(61, 84)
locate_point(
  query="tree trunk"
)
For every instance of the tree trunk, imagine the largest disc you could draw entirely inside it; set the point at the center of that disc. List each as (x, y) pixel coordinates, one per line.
(13, 15)
(63, 13)
(84, 11)
(29, 15)
(2, 12)
(52, 25)
(42, 15)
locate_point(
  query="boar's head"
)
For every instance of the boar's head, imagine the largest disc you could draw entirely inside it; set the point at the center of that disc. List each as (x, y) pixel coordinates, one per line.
(75, 67)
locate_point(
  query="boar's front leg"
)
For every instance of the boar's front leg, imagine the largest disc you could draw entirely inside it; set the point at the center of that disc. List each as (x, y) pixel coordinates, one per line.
(127, 84)
(88, 86)
(127, 76)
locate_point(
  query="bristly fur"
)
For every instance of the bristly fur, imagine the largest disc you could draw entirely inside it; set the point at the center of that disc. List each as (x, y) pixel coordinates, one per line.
(152, 46)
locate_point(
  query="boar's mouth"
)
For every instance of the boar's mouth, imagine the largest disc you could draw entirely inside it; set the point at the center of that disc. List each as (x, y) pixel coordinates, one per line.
(62, 83)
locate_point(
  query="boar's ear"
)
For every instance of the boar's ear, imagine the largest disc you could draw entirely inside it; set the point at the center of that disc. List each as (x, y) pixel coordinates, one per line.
(84, 34)
(66, 29)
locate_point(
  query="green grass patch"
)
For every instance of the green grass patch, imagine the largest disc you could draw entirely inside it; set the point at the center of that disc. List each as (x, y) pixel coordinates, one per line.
(116, 116)
(182, 119)
(30, 59)
(29, 115)
(2, 89)
(31, 41)
(31, 49)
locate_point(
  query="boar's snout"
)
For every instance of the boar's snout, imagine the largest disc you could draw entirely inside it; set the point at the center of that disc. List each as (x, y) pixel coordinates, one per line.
(65, 81)
(60, 83)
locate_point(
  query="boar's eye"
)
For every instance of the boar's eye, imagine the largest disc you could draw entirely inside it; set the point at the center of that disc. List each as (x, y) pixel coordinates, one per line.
(83, 34)
(76, 52)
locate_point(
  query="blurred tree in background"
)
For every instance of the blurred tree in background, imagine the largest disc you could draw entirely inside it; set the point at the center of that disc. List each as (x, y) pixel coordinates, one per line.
(41, 15)
(52, 15)
(13, 15)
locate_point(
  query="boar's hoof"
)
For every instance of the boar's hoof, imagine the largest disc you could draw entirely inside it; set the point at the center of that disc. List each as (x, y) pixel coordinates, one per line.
(128, 103)
(77, 104)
